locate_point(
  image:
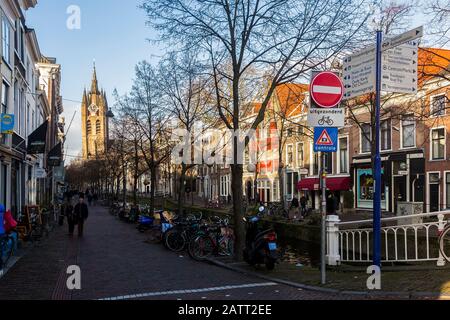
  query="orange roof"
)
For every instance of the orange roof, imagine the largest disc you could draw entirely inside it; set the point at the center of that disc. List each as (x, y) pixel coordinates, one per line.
(291, 97)
(432, 62)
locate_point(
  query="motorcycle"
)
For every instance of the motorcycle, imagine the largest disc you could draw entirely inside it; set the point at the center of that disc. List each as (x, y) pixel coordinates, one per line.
(260, 245)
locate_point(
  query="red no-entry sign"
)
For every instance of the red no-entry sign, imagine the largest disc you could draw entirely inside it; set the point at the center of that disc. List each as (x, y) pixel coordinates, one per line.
(327, 90)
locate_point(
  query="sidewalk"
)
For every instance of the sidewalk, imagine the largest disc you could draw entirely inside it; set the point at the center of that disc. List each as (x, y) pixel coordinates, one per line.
(402, 282)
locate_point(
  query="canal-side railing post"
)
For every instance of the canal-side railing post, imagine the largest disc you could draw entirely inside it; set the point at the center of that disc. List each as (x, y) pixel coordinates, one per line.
(333, 257)
(442, 222)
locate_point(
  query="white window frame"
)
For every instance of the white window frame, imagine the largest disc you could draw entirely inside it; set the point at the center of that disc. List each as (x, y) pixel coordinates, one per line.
(381, 138)
(300, 164)
(287, 155)
(339, 154)
(432, 115)
(361, 138)
(445, 143)
(311, 162)
(402, 147)
(6, 23)
(428, 189)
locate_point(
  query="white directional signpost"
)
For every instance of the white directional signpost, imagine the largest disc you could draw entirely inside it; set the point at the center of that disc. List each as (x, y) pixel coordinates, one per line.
(359, 73)
(390, 66)
(400, 69)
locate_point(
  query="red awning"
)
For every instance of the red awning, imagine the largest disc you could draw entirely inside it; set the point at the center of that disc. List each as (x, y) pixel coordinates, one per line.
(333, 184)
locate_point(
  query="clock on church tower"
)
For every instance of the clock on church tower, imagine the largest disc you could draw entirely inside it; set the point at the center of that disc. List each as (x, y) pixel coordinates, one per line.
(93, 109)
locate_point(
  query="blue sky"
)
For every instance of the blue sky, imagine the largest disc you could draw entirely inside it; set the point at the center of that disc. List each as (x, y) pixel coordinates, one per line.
(113, 32)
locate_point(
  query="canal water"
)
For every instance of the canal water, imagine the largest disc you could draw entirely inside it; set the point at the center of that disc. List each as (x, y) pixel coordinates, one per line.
(300, 253)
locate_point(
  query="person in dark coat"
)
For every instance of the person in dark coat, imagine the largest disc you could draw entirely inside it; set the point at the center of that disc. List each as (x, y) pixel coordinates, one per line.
(81, 213)
(68, 213)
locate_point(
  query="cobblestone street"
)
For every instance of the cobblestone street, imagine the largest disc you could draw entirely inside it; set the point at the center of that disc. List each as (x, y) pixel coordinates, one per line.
(117, 263)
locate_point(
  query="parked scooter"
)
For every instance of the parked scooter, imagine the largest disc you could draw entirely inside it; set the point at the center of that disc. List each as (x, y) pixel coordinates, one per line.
(260, 245)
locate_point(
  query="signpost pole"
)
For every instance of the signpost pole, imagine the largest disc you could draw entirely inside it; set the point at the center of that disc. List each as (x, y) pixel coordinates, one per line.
(377, 160)
(324, 215)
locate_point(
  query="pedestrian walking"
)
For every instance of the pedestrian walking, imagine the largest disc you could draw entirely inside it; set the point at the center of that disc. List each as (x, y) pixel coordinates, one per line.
(95, 198)
(303, 204)
(70, 216)
(294, 210)
(81, 213)
(90, 197)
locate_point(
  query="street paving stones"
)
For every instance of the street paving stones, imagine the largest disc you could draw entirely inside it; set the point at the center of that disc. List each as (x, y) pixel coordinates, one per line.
(117, 263)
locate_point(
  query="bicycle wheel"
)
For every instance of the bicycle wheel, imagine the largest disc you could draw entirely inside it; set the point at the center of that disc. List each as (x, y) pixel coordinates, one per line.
(201, 247)
(226, 247)
(444, 244)
(175, 241)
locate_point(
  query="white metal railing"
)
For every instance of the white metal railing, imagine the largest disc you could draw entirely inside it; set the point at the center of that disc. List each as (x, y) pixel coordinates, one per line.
(404, 242)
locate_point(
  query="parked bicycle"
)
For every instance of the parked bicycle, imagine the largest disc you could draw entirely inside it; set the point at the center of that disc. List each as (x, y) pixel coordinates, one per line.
(215, 239)
(177, 238)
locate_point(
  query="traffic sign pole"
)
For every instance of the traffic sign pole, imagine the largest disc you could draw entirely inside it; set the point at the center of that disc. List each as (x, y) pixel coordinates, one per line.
(323, 248)
(377, 160)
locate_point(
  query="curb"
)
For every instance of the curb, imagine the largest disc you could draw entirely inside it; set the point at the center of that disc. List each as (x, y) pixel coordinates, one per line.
(365, 294)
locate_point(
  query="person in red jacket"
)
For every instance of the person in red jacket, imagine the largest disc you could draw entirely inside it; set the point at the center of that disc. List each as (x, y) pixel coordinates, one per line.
(9, 223)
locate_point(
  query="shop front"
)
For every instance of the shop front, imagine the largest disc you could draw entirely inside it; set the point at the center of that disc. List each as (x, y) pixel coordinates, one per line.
(403, 180)
(311, 187)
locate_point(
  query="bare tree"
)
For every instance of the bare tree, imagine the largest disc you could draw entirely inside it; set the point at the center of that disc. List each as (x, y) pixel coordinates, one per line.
(256, 42)
(184, 94)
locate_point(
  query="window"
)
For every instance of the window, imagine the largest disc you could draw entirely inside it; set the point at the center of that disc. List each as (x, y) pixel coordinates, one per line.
(28, 120)
(300, 155)
(438, 104)
(290, 132)
(5, 92)
(6, 40)
(315, 163)
(290, 154)
(343, 155)
(19, 40)
(386, 135)
(408, 132)
(224, 186)
(438, 144)
(328, 163)
(89, 128)
(97, 127)
(366, 137)
(276, 191)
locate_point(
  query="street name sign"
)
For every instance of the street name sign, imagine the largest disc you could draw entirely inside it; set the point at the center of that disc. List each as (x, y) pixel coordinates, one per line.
(327, 89)
(328, 118)
(325, 139)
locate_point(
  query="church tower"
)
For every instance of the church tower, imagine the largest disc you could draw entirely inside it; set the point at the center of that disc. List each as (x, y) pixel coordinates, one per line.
(94, 109)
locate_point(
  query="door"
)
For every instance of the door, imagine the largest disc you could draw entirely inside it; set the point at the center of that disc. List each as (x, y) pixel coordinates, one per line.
(399, 190)
(434, 194)
(434, 198)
